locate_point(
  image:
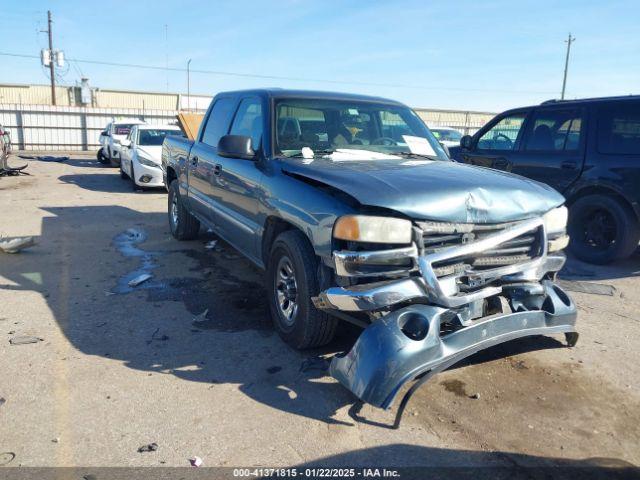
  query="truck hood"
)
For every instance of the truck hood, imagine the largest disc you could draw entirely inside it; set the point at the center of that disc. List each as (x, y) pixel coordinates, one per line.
(432, 190)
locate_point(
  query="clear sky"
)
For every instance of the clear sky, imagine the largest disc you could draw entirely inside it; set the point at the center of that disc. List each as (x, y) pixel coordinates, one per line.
(478, 55)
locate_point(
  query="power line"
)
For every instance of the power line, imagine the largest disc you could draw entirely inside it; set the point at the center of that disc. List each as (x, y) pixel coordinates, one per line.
(294, 79)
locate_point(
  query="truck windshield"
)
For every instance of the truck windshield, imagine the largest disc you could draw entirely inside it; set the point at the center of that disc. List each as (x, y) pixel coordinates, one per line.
(326, 125)
(151, 137)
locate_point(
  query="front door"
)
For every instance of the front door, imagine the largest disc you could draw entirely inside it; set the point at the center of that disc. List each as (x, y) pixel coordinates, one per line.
(236, 182)
(203, 158)
(498, 146)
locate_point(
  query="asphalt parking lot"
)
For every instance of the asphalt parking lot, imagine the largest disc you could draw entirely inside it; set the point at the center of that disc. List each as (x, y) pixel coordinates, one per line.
(188, 359)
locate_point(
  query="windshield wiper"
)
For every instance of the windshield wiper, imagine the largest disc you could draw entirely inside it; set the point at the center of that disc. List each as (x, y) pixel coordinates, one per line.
(421, 155)
(326, 151)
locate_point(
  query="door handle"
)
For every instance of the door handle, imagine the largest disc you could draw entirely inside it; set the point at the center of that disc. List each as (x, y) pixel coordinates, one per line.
(569, 165)
(217, 170)
(501, 163)
(194, 161)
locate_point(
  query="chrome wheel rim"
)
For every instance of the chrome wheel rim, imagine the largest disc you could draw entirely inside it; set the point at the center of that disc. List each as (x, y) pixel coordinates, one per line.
(286, 291)
(174, 211)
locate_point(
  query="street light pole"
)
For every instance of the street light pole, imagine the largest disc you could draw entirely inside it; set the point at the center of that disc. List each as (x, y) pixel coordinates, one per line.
(188, 86)
(569, 41)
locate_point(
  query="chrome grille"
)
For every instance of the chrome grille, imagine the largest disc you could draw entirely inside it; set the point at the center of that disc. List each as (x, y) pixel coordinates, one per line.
(440, 236)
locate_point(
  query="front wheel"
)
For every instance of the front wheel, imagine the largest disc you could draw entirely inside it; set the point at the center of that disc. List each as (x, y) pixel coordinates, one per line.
(123, 174)
(292, 279)
(602, 229)
(184, 226)
(101, 157)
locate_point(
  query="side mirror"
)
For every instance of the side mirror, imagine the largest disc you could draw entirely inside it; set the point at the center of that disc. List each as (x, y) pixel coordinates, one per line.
(236, 146)
(105, 134)
(125, 143)
(466, 142)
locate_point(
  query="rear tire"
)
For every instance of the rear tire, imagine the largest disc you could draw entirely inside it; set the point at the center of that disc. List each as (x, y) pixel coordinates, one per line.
(602, 229)
(292, 279)
(184, 226)
(101, 157)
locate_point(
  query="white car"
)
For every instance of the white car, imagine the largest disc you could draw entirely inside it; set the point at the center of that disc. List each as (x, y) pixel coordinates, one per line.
(141, 151)
(111, 137)
(449, 137)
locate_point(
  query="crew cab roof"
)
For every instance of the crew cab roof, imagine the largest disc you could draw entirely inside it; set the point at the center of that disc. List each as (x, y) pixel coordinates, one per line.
(310, 94)
(574, 102)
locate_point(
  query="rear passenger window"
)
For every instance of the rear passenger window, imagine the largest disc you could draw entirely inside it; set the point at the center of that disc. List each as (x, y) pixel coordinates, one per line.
(218, 122)
(248, 121)
(619, 130)
(554, 131)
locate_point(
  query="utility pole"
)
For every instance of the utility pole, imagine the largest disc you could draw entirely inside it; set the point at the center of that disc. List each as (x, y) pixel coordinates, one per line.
(51, 62)
(568, 41)
(166, 54)
(188, 86)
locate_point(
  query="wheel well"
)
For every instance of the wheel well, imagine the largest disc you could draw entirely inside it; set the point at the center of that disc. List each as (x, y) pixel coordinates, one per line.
(274, 226)
(171, 175)
(598, 190)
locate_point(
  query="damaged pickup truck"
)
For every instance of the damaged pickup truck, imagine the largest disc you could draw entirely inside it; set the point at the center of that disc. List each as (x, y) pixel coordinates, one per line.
(357, 214)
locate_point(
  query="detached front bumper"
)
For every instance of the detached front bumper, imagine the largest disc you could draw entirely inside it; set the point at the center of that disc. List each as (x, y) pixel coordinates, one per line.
(408, 343)
(455, 308)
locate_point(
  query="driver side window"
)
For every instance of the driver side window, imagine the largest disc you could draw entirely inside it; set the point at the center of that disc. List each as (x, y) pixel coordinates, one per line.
(503, 135)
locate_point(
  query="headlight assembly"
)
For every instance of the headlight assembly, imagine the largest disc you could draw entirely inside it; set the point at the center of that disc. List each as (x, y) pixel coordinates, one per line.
(364, 228)
(555, 221)
(147, 162)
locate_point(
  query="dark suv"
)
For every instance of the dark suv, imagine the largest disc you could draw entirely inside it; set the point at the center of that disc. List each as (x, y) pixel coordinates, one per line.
(589, 150)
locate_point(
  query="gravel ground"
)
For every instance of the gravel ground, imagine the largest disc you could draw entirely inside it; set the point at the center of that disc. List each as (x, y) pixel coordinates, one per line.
(188, 359)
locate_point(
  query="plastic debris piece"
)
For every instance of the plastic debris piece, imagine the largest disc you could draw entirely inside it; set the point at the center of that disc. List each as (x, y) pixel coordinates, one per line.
(588, 287)
(201, 317)
(14, 245)
(195, 461)
(24, 340)
(151, 447)
(211, 245)
(2, 401)
(475, 396)
(6, 458)
(140, 279)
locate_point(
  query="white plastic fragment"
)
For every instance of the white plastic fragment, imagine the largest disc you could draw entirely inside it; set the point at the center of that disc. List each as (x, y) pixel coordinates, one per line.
(139, 279)
(195, 461)
(14, 245)
(211, 245)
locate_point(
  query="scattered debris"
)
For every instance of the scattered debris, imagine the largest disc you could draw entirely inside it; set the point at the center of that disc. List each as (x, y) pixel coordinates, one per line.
(475, 396)
(45, 158)
(14, 245)
(588, 287)
(24, 340)
(163, 338)
(56, 440)
(140, 279)
(151, 447)
(315, 363)
(201, 317)
(195, 461)
(211, 245)
(6, 458)
(2, 401)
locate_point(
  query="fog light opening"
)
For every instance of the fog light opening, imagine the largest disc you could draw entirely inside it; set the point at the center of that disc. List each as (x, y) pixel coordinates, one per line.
(414, 325)
(562, 295)
(145, 178)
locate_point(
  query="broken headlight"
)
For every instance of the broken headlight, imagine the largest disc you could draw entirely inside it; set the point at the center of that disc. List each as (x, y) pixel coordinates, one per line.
(364, 228)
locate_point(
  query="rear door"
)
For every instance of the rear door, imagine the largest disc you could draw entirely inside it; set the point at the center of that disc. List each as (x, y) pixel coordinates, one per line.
(553, 147)
(236, 181)
(498, 145)
(203, 158)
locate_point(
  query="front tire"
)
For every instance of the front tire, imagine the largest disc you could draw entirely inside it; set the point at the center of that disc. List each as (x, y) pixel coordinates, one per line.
(101, 157)
(602, 229)
(123, 174)
(292, 279)
(184, 226)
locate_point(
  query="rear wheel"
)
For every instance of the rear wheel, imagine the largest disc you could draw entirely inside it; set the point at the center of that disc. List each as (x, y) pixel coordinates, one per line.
(101, 157)
(184, 226)
(602, 229)
(292, 279)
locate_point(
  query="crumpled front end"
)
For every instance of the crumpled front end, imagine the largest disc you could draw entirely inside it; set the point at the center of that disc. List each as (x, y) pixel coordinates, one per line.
(457, 289)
